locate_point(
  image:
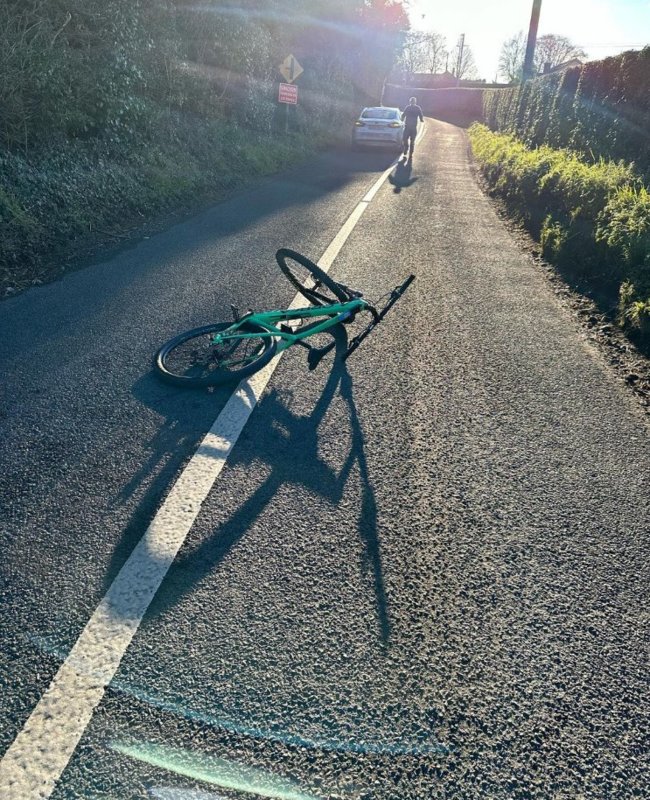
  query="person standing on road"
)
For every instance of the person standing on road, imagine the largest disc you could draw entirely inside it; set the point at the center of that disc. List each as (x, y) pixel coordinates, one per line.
(411, 114)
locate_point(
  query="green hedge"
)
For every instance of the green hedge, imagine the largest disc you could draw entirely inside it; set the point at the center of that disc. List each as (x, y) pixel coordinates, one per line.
(65, 197)
(601, 109)
(112, 110)
(593, 220)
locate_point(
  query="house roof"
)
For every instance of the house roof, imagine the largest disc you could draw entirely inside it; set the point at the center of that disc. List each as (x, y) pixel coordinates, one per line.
(572, 62)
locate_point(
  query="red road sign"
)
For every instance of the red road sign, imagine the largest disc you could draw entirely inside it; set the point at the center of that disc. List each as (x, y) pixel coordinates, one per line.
(288, 93)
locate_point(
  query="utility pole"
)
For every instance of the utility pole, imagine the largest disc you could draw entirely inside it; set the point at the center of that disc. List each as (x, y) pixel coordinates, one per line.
(532, 40)
(459, 63)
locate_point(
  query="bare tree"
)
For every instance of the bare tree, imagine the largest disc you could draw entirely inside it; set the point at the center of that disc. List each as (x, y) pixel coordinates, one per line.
(511, 59)
(555, 50)
(424, 52)
(464, 64)
(434, 52)
(551, 49)
(411, 58)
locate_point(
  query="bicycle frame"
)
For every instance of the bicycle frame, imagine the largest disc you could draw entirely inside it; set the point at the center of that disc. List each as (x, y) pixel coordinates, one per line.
(335, 313)
(217, 367)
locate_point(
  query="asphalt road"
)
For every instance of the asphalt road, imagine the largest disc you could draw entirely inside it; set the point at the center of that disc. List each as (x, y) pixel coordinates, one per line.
(422, 574)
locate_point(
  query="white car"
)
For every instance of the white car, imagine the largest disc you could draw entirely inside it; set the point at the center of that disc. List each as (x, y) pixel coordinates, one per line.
(379, 126)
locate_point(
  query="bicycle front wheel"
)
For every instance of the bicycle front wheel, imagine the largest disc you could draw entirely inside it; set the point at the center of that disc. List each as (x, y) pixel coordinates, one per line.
(193, 359)
(309, 279)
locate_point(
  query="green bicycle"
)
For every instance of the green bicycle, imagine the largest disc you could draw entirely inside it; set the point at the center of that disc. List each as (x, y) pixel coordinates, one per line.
(225, 352)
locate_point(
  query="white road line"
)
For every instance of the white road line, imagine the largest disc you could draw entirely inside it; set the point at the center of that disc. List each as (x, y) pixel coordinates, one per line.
(37, 757)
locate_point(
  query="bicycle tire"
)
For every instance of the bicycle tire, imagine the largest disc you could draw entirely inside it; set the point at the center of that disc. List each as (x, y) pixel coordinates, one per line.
(320, 277)
(219, 374)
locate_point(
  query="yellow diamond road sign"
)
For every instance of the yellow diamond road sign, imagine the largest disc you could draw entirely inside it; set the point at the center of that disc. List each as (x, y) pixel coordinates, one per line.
(291, 69)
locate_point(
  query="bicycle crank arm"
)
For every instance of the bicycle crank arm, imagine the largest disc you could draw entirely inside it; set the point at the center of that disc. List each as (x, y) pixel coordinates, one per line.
(378, 316)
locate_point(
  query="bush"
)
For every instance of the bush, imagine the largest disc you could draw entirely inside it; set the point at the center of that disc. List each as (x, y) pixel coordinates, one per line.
(593, 220)
(73, 191)
(624, 226)
(601, 109)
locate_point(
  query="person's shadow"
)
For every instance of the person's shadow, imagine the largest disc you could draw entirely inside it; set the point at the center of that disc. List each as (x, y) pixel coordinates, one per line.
(401, 177)
(290, 453)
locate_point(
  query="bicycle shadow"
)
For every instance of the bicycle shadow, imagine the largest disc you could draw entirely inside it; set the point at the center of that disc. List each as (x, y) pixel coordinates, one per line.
(184, 417)
(290, 453)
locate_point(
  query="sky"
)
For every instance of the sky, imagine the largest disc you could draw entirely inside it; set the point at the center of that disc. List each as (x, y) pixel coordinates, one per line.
(601, 27)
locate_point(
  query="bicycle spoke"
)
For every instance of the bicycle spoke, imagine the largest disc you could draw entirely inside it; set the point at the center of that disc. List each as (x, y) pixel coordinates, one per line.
(200, 358)
(309, 279)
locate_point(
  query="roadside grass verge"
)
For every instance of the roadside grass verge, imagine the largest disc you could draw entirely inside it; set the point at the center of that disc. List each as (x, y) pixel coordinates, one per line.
(73, 195)
(591, 219)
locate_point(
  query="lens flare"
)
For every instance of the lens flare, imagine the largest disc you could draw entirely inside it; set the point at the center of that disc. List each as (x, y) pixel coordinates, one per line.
(174, 793)
(216, 771)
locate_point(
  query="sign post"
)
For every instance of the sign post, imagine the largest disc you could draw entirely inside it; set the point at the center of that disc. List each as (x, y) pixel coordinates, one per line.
(529, 71)
(287, 93)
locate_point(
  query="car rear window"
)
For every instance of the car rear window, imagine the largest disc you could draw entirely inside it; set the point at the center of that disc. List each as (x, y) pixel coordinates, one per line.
(380, 113)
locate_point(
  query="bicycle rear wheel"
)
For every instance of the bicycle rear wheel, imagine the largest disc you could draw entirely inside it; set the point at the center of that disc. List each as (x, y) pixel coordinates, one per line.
(192, 359)
(309, 279)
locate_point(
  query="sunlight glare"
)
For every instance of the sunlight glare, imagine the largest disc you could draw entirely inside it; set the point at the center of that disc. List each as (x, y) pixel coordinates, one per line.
(216, 771)
(601, 27)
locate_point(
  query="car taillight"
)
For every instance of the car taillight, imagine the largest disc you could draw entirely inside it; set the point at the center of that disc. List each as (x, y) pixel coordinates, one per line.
(395, 125)
(359, 124)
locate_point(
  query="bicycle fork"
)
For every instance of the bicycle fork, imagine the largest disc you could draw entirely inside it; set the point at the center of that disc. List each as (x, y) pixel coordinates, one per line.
(377, 316)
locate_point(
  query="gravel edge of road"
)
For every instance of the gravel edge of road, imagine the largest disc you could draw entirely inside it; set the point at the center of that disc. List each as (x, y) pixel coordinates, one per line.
(630, 366)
